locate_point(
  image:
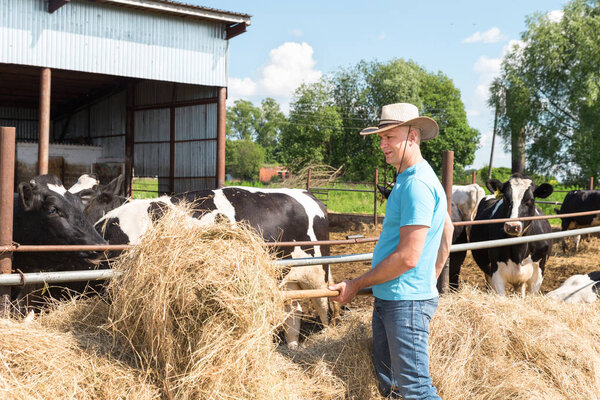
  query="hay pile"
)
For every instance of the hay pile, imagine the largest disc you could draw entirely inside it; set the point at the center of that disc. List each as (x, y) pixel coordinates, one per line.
(199, 308)
(192, 317)
(483, 346)
(194, 314)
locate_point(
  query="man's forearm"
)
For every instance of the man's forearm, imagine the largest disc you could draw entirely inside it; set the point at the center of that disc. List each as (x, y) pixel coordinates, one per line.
(445, 244)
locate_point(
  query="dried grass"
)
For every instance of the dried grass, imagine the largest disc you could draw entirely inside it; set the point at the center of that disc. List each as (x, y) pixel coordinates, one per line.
(37, 362)
(194, 315)
(482, 346)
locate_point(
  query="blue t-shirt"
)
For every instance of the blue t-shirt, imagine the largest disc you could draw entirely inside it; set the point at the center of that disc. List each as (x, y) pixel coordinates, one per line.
(418, 198)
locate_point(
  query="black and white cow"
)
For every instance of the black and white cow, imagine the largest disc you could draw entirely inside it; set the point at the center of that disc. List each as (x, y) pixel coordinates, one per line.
(277, 214)
(579, 201)
(522, 265)
(45, 213)
(578, 289)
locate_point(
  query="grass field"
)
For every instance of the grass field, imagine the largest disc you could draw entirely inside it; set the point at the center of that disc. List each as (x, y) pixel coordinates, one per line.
(340, 201)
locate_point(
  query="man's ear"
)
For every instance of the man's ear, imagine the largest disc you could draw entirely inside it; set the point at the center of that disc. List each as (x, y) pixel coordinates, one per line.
(29, 197)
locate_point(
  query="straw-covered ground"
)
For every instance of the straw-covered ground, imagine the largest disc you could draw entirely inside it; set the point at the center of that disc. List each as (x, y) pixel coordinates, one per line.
(195, 313)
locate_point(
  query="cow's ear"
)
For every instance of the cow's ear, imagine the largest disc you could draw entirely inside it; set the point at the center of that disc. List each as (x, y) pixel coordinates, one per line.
(29, 197)
(385, 192)
(494, 185)
(115, 186)
(543, 191)
(86, 195)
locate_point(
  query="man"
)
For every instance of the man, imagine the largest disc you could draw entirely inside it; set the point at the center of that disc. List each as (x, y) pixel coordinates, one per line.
(409, 256)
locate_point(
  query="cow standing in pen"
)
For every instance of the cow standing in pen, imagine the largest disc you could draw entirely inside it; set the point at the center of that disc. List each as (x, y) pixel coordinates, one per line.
(579, 201)
(520, 265)
(287, 215)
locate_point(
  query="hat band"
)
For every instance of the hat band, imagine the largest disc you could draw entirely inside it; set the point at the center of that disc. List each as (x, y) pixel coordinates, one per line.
(387, 122)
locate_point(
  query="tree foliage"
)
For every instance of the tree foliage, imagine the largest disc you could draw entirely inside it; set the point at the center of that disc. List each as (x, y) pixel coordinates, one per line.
(262, 125)
(243, 158)
(549, 89)
(327, 117)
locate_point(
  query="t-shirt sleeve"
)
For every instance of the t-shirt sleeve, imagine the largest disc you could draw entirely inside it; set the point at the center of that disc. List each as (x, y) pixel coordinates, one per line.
(418, 204)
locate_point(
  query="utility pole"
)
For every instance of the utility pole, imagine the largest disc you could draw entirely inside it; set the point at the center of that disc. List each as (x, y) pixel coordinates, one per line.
(493, 142)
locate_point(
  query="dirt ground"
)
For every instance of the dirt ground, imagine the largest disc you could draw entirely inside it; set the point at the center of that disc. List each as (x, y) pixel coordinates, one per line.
(559, 267)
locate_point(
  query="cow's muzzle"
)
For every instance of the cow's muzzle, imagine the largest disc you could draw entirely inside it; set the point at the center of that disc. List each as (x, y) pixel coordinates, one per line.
(513, 228)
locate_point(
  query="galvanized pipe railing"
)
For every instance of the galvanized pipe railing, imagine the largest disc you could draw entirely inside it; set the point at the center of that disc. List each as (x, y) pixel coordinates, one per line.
(74, 276)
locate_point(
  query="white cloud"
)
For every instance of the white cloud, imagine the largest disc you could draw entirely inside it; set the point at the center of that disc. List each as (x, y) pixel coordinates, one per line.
(555, 15)
(492, 35)
(288, 66)
(296, 32)
(381, 36)
(487, 69)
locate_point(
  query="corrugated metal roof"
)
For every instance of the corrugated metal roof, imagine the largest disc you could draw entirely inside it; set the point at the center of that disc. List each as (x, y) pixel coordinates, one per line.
(188, 10)
(99, 38)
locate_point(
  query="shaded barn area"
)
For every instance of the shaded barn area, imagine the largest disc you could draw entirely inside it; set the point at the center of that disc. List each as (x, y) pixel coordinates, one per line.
(111, 87)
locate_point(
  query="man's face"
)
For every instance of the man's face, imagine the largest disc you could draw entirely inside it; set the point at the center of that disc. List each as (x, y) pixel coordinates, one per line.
(392, 144)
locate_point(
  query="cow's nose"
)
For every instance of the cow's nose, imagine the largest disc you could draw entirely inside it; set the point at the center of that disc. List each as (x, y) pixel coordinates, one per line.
(513, 228)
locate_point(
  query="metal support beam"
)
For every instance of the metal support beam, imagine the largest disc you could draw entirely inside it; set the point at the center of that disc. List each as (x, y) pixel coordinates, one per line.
(7, 165)
(129, 139)
(443, 283)
(221, 119)
(44, 125)
(54, 5)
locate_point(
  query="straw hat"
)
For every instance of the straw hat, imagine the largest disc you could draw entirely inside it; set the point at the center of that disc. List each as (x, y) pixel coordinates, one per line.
(402, 114)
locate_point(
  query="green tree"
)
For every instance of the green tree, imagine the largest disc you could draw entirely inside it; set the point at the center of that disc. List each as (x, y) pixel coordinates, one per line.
(556, 77)
(351, 99)
(243, 120)
(243, 159)
(270, 124)
(313, 121)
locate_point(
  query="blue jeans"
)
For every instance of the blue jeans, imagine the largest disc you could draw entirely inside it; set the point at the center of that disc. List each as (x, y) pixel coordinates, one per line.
(400, 348)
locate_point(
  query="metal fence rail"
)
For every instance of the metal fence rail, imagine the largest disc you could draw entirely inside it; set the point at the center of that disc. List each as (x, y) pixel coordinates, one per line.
(76, 276)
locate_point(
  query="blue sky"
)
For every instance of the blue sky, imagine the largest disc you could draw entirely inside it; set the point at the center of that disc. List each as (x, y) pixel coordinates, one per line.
(290, 42)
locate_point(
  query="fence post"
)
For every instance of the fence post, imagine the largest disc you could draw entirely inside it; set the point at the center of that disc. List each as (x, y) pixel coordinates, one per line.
(443, 283)
(308, 181)
(7, 171)
(591, 183)
(473, 176)
(375, 197)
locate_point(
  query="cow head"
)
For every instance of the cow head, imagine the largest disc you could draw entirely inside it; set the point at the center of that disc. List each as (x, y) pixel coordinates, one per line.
(85, 187)
(517, 200)
(52, 215)
(105, 198)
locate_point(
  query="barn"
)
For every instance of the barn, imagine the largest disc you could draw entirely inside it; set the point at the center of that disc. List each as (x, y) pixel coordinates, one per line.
(111, 86)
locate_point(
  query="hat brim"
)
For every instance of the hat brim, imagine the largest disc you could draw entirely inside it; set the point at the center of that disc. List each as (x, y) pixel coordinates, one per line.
(429, 128)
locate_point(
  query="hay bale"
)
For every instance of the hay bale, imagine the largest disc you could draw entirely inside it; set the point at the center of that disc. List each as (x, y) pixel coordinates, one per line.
(41, 363)
(199, 307)
(482, 346)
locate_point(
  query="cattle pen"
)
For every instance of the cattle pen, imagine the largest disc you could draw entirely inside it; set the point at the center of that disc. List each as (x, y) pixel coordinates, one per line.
(7, 247)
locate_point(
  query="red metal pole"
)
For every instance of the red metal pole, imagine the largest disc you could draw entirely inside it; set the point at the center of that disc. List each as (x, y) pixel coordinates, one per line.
(308, 181)
(221, 127)
(375, 197)
(447, 172)
(473, 177)
(591, 183)
(129, 139)
(44, 121)
(7, 171)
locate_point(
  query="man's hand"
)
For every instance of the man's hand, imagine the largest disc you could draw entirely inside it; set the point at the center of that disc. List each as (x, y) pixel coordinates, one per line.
(347, 289)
